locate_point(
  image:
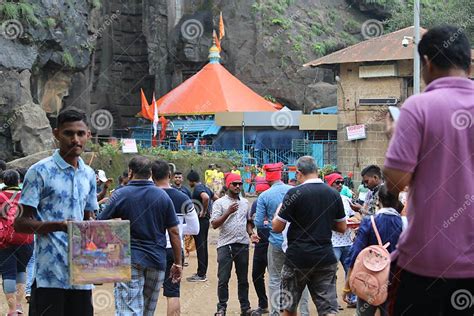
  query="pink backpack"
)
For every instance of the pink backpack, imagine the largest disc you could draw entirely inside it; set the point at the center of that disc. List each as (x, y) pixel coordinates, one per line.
(369, 277)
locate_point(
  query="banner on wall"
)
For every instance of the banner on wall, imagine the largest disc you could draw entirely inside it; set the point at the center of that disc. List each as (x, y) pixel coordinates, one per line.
(355, 132)
(129, 146)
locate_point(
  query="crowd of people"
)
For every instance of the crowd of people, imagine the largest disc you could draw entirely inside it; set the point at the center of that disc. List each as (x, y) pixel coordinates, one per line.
(301, 232)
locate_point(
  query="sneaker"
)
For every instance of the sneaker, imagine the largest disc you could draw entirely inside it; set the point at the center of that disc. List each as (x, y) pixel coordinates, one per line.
(196, 278)
(259, 311)
(248, 312)
(352, 301)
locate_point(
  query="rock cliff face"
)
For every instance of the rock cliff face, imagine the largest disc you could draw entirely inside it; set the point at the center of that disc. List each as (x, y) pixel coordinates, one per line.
(44, 44)
(265, 45)
(97, 54)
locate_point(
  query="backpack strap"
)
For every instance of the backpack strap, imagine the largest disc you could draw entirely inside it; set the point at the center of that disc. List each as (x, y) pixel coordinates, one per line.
(14, 197)
(379, 240)
(11, 200)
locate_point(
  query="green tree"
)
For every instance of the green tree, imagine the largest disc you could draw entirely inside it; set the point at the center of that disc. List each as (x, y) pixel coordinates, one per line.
(434, 12)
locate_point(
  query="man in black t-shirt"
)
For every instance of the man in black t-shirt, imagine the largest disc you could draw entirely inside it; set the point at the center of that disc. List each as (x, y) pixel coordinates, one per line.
(313, 210)
(188, 224)
(202, 198)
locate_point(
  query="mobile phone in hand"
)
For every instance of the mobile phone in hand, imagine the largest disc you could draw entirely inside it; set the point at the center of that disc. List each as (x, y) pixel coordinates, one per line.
(394, 112)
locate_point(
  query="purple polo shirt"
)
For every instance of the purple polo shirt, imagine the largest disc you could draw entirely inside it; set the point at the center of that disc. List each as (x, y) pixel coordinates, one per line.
(434, 140)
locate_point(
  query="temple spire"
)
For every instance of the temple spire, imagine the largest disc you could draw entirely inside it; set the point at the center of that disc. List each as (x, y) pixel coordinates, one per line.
(214, 56)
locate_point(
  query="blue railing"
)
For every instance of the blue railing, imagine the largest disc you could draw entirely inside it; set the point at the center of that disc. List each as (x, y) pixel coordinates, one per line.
(325, 152)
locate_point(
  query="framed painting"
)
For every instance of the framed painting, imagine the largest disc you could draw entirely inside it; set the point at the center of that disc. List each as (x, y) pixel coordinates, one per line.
(99, 251)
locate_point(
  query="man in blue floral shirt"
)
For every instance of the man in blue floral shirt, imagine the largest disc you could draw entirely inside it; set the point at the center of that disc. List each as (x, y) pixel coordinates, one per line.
(58, 189)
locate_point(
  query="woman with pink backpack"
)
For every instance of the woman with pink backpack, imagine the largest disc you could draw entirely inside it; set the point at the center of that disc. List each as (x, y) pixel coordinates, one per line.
(369, 262)
(15, 248)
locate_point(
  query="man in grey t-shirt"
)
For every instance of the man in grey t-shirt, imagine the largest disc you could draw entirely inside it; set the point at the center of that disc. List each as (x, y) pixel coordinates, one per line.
(230, 213)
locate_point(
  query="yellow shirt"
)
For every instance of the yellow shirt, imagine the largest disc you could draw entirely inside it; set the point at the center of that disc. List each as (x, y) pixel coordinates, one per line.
(219, 175)
(209, 175)
(236, 172)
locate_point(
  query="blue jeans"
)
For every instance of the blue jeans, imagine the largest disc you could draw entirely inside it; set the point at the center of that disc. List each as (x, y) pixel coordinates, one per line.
(30, 274)
(276, 258)
(13, 261)
(342, 254)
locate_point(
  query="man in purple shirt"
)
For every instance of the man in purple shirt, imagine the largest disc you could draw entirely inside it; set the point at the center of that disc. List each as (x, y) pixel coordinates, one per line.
(432, 151)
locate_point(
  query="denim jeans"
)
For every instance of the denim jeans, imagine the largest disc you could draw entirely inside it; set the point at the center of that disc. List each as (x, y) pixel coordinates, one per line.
(30, 274)
(342, 254)
(276, 258)
(239, 255)
(201, 246)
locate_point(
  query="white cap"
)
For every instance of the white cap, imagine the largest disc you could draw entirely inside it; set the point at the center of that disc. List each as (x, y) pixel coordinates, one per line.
(101, 175)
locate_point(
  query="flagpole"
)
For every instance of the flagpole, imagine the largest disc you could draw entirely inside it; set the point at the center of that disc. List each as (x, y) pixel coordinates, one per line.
(416, 56)
(243, 142)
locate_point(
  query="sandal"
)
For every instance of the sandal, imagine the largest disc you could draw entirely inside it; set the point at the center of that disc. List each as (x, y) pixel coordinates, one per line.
(220, 312)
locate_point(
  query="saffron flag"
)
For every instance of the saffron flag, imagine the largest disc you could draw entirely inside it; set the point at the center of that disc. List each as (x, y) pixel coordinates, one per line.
(146, 109)
(164, 125)
(155, 116)
(216, 40)
(221, 27)
(178, 138)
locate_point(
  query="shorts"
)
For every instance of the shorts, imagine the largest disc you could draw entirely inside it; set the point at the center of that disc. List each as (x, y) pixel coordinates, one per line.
(321, 282)
(14, 259)
(170, 289)
(61, 302)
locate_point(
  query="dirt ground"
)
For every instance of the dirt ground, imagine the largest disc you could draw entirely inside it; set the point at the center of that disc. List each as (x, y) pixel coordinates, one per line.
(196, 298)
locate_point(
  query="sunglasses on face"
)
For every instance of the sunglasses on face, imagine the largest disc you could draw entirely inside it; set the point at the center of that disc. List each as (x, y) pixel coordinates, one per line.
(339, 182)
(236, 184)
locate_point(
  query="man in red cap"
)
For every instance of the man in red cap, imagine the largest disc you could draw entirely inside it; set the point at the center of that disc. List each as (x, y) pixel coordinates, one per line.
(260, 260)
(341, 242)
(230, 214)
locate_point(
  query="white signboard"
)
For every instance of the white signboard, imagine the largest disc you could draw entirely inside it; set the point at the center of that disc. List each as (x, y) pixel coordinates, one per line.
(356, 132)
(129, 146)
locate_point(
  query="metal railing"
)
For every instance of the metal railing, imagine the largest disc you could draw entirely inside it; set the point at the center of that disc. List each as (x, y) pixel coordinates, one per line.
(325, 152)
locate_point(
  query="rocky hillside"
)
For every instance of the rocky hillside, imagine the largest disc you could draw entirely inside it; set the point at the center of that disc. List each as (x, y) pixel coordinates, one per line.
(45, 46)
(265, 45)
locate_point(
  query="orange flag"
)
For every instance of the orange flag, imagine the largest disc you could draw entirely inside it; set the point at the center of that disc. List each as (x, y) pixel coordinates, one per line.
(145, 107)
(221, 27)
(218, 44)
(164, 125)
